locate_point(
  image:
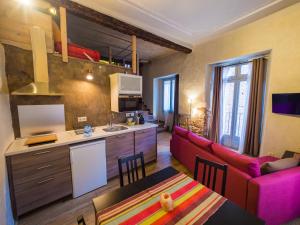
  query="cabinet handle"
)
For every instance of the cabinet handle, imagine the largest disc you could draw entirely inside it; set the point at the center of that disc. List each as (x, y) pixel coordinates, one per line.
(45, 181)
(44, 167)
(41, 153)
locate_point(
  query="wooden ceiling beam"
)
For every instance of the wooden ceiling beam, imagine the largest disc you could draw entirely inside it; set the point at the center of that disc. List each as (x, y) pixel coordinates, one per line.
(115, 24)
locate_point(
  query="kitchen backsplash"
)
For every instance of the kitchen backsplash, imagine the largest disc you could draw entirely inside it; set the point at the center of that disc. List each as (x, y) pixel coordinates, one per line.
(82, 97)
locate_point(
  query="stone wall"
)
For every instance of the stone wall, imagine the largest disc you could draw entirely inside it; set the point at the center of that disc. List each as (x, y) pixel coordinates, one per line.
(82, 97)
(198, 123)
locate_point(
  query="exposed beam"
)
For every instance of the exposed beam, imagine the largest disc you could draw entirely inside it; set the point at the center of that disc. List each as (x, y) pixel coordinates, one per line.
(63, 33)
(109, 55)
(133, 57)
(115, 24)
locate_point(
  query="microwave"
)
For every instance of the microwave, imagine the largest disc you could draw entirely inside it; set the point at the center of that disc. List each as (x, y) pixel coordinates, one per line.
(130, 103)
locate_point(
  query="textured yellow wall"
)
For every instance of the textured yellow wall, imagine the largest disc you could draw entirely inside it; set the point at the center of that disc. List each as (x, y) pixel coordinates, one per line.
(280, 33)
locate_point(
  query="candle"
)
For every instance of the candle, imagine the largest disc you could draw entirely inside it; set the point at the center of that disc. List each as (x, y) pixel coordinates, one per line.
(166, 202)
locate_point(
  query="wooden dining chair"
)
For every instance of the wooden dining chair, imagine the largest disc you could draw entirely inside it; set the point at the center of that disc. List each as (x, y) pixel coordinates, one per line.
(211, 166)
(132, 168)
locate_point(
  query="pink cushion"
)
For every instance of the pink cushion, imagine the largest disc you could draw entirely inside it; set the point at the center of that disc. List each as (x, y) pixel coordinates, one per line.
(264, 159)
(181, 131)
(242, 162)
(200, 141)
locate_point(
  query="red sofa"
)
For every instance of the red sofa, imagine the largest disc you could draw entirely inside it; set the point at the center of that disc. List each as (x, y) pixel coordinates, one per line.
(245, 185)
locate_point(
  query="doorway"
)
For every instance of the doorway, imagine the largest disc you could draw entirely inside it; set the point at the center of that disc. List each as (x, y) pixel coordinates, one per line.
(165, 101)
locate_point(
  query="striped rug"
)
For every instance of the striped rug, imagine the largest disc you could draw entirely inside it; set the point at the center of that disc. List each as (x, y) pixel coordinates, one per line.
(193, 204)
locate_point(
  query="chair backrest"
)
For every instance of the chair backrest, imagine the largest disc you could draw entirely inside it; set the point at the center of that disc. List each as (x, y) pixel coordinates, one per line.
(132, 168)
(208, 166)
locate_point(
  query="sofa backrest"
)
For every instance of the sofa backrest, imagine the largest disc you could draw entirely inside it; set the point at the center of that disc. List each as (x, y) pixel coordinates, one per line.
(200, 141)
(245, 163)
(181, 131)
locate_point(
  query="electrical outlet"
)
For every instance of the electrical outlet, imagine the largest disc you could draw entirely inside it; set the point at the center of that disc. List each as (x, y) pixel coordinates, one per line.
(129, 114)
(82, 119)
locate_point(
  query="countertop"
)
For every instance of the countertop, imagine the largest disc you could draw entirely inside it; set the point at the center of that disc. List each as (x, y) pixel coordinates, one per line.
(69, 137)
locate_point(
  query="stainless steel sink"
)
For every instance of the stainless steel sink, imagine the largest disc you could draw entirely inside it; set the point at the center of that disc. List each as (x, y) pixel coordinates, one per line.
(115, 128)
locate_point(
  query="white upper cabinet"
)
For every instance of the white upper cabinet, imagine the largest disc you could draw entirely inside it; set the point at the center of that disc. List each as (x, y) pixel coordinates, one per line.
(126, 84)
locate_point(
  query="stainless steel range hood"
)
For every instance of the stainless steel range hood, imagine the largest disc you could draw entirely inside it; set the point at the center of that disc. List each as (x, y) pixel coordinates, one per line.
(41, 85)
(38, 88)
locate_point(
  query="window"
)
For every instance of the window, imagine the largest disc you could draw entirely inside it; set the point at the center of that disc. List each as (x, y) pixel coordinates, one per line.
(168, 94)
(234, 104)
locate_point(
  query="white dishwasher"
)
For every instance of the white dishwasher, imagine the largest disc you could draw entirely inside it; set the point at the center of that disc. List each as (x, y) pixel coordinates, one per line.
(88, 164)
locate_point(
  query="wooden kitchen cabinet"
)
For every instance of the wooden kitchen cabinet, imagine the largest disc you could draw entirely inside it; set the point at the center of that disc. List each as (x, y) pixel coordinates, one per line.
(118, 146)
(146, 142)
(38, 178)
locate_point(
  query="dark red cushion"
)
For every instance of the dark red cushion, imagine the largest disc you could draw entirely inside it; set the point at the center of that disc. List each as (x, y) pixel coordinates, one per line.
(78, 51)
(200, 141)
(242, 162)
(181, 131)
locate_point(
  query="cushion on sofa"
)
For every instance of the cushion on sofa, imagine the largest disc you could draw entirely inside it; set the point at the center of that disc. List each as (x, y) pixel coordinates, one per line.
(181, 131)
(264, 159)
(200, 141)
(244, 163)
(281, 164)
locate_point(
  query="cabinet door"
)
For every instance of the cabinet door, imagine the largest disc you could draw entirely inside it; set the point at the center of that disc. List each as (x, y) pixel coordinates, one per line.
(118, 146)
(38, 178)
(146, 142)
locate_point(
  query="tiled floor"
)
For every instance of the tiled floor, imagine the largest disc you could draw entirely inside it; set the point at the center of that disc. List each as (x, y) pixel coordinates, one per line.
(66, 212)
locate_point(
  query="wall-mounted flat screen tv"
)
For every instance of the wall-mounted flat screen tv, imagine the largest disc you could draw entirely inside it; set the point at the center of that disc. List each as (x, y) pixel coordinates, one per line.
(286, 103)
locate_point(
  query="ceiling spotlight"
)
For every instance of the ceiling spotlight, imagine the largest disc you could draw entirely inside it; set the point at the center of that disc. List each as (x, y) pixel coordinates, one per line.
(52, 10)
(89, 76)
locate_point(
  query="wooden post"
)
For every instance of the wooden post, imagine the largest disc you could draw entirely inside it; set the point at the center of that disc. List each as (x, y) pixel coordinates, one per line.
(109, 55)
(39, 52)
(138, 64)
(63, 32)
(133, 49)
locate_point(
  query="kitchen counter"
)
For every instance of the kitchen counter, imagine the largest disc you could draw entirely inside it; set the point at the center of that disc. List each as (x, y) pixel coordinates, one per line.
(69, 137)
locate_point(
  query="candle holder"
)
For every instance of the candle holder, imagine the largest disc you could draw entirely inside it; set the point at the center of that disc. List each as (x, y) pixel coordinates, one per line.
(166, 202)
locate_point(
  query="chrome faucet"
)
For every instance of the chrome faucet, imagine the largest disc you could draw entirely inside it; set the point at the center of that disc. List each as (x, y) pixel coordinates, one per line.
(110, 123)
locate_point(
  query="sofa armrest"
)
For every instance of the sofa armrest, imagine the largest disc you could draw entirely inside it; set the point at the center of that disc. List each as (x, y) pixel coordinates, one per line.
(275, 197)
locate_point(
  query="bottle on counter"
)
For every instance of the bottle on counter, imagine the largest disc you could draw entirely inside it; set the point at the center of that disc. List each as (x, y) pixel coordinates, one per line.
(141, 119)
(137, 118)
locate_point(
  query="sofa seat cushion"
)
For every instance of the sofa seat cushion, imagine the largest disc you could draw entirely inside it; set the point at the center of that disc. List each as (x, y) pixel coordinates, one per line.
(200, 141)
(181, 131)
(244, 163)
